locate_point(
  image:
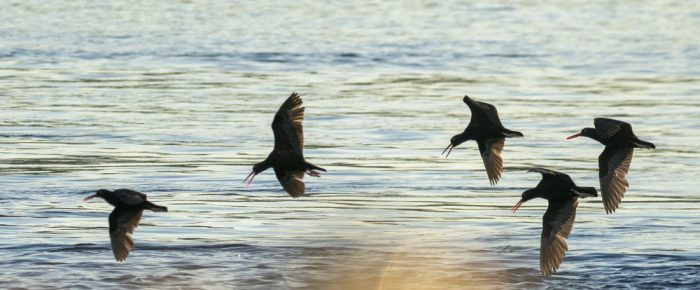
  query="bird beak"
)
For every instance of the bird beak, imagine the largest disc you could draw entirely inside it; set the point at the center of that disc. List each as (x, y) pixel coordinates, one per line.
(247, 181)
(448, 152)
(517, 205)
(573, 136)
(89, 197)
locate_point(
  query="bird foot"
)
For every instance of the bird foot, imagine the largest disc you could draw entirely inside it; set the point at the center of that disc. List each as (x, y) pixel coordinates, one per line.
(313, 173)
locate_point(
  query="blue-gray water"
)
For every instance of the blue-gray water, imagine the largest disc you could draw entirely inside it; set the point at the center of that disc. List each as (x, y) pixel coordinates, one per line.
(175, 99)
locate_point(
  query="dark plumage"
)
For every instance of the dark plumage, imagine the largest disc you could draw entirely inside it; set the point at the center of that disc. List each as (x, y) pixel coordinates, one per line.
(128, 208)
(486, 129)
(614, 162)
(287, 157)
(562, 194)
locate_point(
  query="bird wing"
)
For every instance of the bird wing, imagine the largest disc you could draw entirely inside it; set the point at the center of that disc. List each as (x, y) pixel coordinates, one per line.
(607, 128)
(121, 225)
(292, 181)
(547, 174)
(287, 125)
(613, 165)
(543, 171)
(557, 223)
(491, 154)
(482, 111)
(128, 196)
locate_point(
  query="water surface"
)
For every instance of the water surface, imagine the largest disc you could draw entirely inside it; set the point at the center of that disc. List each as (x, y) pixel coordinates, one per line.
(175, 99)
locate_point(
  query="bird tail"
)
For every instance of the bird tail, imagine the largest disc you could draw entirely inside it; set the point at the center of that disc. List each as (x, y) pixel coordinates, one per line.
(511, 133)
(584, 192)
(314, 167)
(643, 144)
(156, 208)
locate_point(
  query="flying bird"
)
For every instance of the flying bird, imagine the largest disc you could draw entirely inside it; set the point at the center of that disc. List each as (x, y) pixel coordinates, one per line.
(562, 194)
(614, 162)
(287, 157)
(128, 208)
(486, 129)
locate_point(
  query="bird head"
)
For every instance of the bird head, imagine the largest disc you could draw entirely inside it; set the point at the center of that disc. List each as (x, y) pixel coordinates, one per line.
(587, 132)
(454, 142)
(102, 193)
(257, 168)
(527, 195)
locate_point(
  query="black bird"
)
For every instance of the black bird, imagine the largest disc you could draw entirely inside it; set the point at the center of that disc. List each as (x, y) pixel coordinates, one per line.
(486, 129)
(562, 194)
(614, 162)
(287, 157)
(128, 208)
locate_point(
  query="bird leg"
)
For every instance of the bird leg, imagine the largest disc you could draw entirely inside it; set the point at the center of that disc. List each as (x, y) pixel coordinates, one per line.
(313, 173)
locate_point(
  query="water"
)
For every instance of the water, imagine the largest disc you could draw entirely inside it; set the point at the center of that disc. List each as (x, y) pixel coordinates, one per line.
(175, 99)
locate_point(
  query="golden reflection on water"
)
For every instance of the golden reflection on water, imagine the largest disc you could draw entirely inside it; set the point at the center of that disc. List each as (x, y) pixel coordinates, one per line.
(410, 268)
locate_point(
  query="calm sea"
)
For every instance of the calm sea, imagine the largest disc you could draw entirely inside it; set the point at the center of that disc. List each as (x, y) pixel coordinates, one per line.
(175, 99)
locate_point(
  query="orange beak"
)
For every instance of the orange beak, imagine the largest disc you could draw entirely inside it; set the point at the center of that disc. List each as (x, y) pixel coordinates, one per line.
(89, 197)
(573, 136)
(247, 181)
(517, 205)
(448, 152)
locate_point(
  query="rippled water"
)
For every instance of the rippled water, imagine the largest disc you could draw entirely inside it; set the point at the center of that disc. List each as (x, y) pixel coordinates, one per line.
(175, 99)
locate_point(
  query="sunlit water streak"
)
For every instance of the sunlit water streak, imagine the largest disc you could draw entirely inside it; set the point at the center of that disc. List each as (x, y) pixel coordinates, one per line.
(176, 99)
